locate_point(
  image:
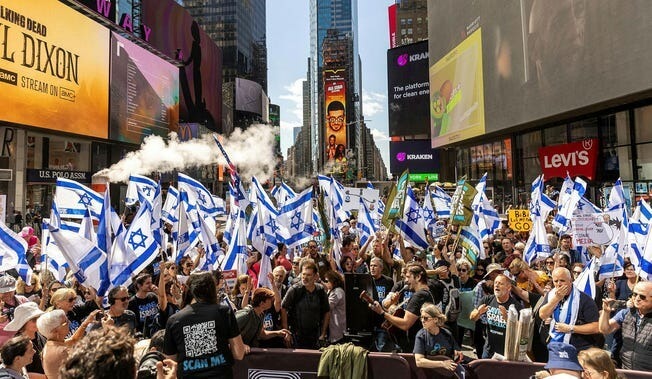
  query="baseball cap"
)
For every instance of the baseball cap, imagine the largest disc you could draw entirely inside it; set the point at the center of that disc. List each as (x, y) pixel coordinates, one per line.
(562, 356)
(7, 284)
(493, 267)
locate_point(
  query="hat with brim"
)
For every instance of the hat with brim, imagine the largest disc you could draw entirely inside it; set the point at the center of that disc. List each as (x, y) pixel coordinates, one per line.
(562, 356)
(7, 284)
(493, 268)
(22, 314)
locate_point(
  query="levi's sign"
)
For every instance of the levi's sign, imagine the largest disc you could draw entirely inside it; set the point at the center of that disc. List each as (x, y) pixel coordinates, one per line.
(576, 159)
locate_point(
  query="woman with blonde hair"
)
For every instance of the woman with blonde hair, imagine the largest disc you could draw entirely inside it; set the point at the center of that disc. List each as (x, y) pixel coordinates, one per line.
(597, 364)
(434, 345)
(66, 300)
(31, 290)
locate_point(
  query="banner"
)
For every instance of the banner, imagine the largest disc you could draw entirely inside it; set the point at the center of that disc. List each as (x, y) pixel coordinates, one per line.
(461, 211)
(49, 78)
(574, 159)
(456, 93)
(396, 199)
(335, 117)
(519, 220)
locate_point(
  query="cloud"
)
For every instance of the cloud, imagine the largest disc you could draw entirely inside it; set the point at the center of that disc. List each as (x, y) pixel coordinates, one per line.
(379, 135)
(287, 125)
(373, 102)
(294, 94)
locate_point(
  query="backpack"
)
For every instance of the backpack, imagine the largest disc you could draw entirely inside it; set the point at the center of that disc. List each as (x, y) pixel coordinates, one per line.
(453, 308)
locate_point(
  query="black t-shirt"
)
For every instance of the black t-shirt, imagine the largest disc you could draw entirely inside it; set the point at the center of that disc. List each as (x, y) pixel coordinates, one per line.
(381, 287)
(405, 295)
(306, 309)
(147, 313)
(496, 324)
(414, 306)
(199, 334)
(79, 313)
(588, 312)
(431, 345)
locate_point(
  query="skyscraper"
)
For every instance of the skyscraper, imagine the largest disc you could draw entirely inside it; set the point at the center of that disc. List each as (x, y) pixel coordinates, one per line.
(334, 60)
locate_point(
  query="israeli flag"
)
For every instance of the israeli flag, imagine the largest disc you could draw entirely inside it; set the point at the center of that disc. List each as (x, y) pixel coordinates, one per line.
(638, 233)
(138, 248)
(13, 253)
(73, 198)
(611, 262)
(537, 246)
(236, 255)
(283, 193)
(585, 282)
(169, 210)
(140, 185)
(221, 206)
(234, 210)
(488, 218)
(442, 202)
(51, 256)
(562, 219)
(644, 264)
(411, 225)
(212, 250)
(295, 219)
(366, 223)
(267, 217)
(334, 191)
(187, 234)
(427, 210)
(198, 195)
(470, 239)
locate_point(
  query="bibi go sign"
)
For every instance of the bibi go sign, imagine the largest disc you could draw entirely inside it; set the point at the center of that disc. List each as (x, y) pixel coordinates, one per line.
(576, 159)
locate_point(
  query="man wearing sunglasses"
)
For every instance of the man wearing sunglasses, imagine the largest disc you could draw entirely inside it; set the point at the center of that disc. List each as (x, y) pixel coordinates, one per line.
(636, 325)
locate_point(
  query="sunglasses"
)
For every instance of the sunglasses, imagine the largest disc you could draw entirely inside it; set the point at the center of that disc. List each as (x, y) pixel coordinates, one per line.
(577, 272)
(550, 262)
(325, 280)
(640, 296)
(123, 299)
(71, 299)
(463, 270)
(425, 318)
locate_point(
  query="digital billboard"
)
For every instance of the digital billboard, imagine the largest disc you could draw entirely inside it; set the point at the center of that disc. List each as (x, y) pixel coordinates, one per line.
(48, 79)
(335, 116)
(547, 58)
(248, 96)
(200, 78)
(456, 95)
(144, 93)
(416, 155)
(408, 93)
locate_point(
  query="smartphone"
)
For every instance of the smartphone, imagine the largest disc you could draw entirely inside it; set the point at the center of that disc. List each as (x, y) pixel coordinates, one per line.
(99, 316)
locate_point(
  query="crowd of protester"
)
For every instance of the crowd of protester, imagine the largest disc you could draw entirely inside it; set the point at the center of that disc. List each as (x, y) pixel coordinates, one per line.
(176, 320)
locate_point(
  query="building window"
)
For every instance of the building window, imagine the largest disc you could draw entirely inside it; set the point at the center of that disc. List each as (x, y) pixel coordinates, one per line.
(584, 129)
(555, 135)
(530, 144)
(643, 118)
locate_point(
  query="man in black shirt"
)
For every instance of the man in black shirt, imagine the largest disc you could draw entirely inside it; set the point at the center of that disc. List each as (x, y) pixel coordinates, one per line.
(203, 337)
(382, 285)
(144, 304)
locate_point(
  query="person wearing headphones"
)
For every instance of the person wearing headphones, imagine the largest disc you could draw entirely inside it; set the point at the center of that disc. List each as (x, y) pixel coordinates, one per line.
(118, 313)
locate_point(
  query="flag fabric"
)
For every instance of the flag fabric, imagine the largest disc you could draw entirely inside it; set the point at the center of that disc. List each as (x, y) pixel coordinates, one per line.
(140, 185)
(638, 233)
(236, 182)
(612, 261)
(427, 210)
(197, 195)
(366, 224)
(13, 253)
(138, 249)
(295, 219)
(267, 218)
(187, 233)
(73, 198)
(441, 201)
(563, 217)
(644, 259)
(537, 246)
(396, 200)
(470, 239)
(234, 210)
(169, 209)
(283, 193)
(461, 203)
(488, 219)
(237, 253)
(221, 206)
(585, 282)
(411, 223)
(52, 259)
(109, 225)
(212, 250)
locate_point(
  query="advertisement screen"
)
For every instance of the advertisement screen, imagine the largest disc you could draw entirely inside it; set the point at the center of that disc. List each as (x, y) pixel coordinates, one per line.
(335, 118)
(417, 156)
(144, 93)
(48, 79)
(408, 91)
(200, 78)
(545, 58)
(456, 96)
(248, 96)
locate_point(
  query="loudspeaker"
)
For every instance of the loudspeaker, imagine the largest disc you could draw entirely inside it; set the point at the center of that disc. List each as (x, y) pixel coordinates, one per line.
(358, 314)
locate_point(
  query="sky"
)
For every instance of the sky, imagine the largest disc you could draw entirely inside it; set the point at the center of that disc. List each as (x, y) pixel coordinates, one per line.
(288, 49)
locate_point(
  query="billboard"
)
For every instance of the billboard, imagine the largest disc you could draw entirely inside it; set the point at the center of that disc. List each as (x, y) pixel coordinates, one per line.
(48, 79)
(335, 116)
(275, 115)
(248, 96)
(457, 98)
(408, 93)
(200, 77)
(549, 58)
(416, 155)
(144, 93)
(391, 16)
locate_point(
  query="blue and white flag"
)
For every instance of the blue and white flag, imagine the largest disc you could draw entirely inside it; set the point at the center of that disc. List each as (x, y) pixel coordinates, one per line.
(283, 193)
(197, 195)
(638, 233)
(187, 234)
(267, 218)
(139, 248)
(366, 224)
(295, 219)
(644, 259)
(169, 211)
(234, 210)
(13, 253)
(334, 192)
(612, 261)
(470, 239)
(562, 219)
(237, 253)
(537, 246)
(411, 224)
(442, 202)
(221, 206)
(427, 210)
(585, 282)
(73, 198)
(140, 185)
(488, 218)
(212, 250)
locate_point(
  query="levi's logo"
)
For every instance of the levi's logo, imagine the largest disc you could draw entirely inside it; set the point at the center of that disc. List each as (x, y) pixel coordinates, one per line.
(569, 159)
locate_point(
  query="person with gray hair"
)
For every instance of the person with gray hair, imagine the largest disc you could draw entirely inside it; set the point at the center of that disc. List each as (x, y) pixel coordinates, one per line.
(54, 326)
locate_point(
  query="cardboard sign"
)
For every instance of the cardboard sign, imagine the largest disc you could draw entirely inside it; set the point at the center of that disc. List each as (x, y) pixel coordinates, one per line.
(519, 220)
(591, 230)
(231, 276)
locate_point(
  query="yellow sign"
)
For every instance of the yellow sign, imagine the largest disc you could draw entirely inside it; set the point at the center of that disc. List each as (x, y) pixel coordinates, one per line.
(50, 76)
(456, 93)
(519, 220)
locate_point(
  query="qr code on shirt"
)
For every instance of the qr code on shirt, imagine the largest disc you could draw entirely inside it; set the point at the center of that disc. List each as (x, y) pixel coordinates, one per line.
(200, 339)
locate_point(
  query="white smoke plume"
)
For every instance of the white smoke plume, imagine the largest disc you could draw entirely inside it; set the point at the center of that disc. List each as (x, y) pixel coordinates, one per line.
(251, 151)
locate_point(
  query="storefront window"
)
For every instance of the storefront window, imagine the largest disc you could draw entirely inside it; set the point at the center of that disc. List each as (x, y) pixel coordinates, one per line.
(584, 129)
(531, 169)
(644, 161)
(555, 135)
(530, 144)
(615, 129)
(643, 117)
